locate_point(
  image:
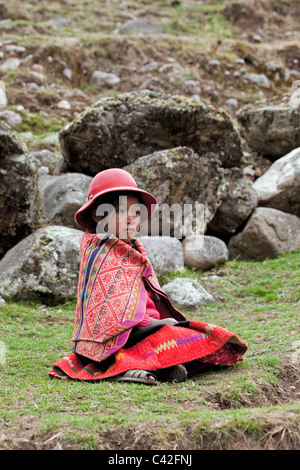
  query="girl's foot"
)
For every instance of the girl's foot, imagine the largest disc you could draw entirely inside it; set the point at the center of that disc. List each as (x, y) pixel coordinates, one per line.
(136, 375)
(175, 374)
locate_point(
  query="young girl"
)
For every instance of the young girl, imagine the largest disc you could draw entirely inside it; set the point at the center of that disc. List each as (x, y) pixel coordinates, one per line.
(126, 328)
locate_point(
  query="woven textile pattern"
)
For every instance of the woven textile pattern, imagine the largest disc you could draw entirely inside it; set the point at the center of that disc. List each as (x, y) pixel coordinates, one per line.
(111, 301)
(111, 297)
(169, 346)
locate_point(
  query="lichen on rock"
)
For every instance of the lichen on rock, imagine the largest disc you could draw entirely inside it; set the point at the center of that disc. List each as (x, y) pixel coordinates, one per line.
(116, 131)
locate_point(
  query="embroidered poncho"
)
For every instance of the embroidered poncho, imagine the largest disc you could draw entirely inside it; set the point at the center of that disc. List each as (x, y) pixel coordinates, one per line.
(111, 297)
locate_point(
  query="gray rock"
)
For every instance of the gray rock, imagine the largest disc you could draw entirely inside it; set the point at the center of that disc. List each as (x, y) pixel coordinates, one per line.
(273, 67)
(233, 102)
(52, 139)
(62, 196)
(116, 131)
(46, 264)
(11, 118)
(26, 135)
(50, 160)
(68, 73)
(165, 253)
(64, 104)
(18, 189)
(105, 78)
(204, 252)
(279, 186)
(188, 293)
(259, 79)
(2, 302)
(271, 129)
(3, 97)
(62, 22)
(268, 233)
(237, 205)
(180, 178)
(10, 64)
(140, 27)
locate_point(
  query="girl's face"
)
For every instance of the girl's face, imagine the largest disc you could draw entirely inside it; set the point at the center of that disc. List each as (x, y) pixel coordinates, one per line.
(124, 220)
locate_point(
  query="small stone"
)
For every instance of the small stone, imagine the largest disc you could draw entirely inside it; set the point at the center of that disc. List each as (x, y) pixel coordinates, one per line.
(38, 68)
(14, 48)
(67, 73)
(3, 98)
(232, 102)
(12, 118)
(64, 104)
(51, 139)
(62, 22)
(259, 79)
(257, 38)
(11, 64)
(140, 26)
(103, 77)
(26, 135)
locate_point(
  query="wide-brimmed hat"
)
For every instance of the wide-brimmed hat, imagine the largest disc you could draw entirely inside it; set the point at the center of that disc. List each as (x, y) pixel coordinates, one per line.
(109, 181)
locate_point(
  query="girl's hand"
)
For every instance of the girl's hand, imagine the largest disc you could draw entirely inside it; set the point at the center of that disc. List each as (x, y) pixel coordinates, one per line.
(163, 321)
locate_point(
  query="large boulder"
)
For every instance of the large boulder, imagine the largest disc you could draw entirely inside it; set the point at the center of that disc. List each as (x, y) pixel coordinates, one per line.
(18, 189)
(62, 196)
(180, 178)
(271, 129)
(165, 253)
(204, 252)
(279, 187)
(44, 264)
(237, 205)
(267, 233)
(116, 131)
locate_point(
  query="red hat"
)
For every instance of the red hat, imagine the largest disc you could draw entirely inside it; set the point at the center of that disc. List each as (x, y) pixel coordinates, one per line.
(108, 181)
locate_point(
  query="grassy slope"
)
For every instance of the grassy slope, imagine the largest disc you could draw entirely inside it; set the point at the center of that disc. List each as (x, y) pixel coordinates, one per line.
(251, 405)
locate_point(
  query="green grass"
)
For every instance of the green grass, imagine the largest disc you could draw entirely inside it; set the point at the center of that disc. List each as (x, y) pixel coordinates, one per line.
(258, 301)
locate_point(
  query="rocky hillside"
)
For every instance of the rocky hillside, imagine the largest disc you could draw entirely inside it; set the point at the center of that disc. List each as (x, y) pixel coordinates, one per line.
(58, 57)
(198, 100)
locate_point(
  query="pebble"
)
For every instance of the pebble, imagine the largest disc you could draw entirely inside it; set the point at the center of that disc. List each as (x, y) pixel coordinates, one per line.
(232, 102)
(14, 48)
(103, 77)
(3, 98)
(259, 79)
(10, 64)
(51, 139)
(67, 73)
(38, 68)
(26, 135)
(12, 118)
(64, 104)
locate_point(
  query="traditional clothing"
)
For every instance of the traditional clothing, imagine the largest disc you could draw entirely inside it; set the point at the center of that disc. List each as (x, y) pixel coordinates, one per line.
(117, 293)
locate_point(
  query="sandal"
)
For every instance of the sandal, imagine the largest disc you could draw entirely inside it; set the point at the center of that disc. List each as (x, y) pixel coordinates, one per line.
(136, 375)
(174, 374)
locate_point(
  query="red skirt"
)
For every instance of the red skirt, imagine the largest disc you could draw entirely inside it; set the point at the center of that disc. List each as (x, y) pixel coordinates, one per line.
(157, 348)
